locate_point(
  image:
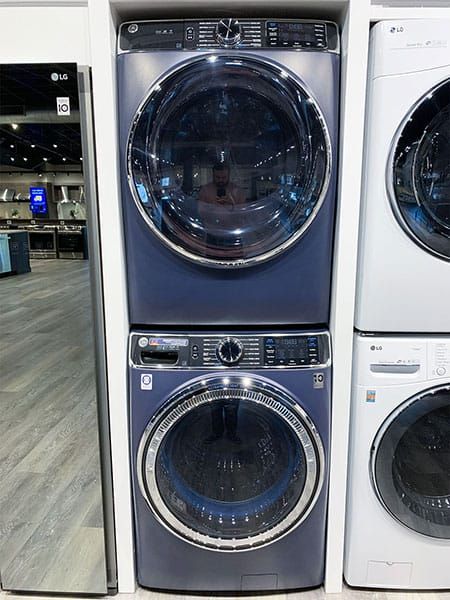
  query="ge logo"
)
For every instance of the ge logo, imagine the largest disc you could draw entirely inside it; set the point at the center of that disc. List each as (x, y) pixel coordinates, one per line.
(397, 29)
(146, 381)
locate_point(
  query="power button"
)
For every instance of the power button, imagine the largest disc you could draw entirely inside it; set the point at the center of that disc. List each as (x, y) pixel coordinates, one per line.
(441, 371)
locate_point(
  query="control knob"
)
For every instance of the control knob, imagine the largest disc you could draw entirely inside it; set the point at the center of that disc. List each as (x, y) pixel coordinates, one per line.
(229, 351)
(228, 32)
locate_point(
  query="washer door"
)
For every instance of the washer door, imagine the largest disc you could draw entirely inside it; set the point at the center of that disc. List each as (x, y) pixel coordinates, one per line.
(231, 463)
(228, 160)
(411, 463)
(419, 173)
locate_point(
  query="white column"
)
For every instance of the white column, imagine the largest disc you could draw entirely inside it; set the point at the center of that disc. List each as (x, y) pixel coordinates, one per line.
(103, 52)
(353, 90)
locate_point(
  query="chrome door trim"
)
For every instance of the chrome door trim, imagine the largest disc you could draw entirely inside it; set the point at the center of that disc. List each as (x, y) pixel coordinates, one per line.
(388, 421)
(389, 171)
(250, 388)
(284, 73)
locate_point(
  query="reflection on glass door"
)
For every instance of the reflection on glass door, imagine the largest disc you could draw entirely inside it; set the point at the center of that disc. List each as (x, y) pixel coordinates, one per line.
(51, 504)
(231, 467)
(229, 160)
(420, 177)
(411, 463)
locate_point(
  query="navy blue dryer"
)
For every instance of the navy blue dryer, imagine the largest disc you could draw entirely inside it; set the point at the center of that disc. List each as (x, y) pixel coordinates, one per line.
(228, 140)
(230, 445)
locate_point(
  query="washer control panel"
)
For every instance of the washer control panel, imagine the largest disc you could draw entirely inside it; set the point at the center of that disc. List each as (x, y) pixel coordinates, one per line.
(242, 351)
(439, 354)
(228, 33)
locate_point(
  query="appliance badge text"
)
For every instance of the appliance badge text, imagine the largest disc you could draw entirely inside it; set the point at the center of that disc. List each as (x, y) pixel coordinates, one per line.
(59, 77)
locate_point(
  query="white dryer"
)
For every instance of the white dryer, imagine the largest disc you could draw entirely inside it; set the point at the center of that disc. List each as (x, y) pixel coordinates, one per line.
(398, 508)
(404, 255)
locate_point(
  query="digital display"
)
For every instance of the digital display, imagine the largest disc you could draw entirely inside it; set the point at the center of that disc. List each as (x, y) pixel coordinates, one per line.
(300, 34)
(291, 349)
(38, 203)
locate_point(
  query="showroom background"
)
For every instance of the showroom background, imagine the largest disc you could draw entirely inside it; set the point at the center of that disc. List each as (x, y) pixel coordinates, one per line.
(85, 32)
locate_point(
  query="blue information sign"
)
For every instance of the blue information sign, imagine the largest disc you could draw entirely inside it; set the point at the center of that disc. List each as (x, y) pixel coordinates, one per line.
(38, 204)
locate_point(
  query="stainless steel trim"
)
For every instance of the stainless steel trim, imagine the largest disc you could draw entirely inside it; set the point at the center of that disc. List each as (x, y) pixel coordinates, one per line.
(254, 390)
(96, 277)
(379, 436)
(219, 336)
(389, 172)
(252, 21)
(240, 263)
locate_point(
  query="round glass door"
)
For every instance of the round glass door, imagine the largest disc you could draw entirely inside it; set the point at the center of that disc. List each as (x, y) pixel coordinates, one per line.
(411, 463)
(229, 160)
(231, 463)
(420, 163)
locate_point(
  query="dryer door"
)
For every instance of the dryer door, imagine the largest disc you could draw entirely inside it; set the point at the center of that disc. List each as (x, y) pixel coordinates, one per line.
(229, 160)
(231, 463)
(411, 463)
(419, 173)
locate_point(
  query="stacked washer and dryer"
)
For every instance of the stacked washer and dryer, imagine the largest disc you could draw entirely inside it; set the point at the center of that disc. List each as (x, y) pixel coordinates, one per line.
(398, 532)
(228, 138)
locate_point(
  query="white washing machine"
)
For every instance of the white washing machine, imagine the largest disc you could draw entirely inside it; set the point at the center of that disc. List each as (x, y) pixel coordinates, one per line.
(404, 255)
(398, 507)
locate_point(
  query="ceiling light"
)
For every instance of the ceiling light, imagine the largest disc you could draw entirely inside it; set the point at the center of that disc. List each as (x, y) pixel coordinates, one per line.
(12, 158)
(25, 159)
(55, 145)
(81, 158)
(64, 159)
(33, 145)
(40, 174)
(45, 158)
(14, 126)
(11, 145)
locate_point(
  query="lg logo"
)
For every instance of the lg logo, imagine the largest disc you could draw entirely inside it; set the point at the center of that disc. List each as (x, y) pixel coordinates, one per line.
(397, 29)
(376, 348)
(59, 77)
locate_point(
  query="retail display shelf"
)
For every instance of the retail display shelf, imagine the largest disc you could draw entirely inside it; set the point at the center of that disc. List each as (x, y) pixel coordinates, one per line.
(379, 13)
(130, 9)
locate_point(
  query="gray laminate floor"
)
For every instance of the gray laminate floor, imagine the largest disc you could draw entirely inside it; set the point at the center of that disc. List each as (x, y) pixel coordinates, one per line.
(319, 594)
(51, 536)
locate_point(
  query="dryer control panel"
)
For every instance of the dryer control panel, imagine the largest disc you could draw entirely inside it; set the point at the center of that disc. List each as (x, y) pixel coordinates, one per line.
(209, 34)
(242, 351)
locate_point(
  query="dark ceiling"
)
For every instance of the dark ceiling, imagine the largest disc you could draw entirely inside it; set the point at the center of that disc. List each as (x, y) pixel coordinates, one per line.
(33, 137)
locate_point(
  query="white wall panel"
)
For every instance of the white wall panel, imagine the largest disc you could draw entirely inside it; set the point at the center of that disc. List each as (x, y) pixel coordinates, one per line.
(37, 34)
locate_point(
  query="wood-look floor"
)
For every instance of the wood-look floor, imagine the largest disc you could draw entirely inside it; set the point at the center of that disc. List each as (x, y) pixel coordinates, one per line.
(50, 506)
(51, 536)
(319, 594)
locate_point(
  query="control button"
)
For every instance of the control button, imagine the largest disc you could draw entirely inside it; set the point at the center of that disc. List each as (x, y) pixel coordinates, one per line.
(229, 351)
(132, 28)
(441, 371)
(189, 34)
(143, 341)
(228, 32)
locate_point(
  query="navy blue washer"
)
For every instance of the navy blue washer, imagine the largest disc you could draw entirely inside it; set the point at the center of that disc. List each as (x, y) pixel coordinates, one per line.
(218, 512)
(270, 115)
